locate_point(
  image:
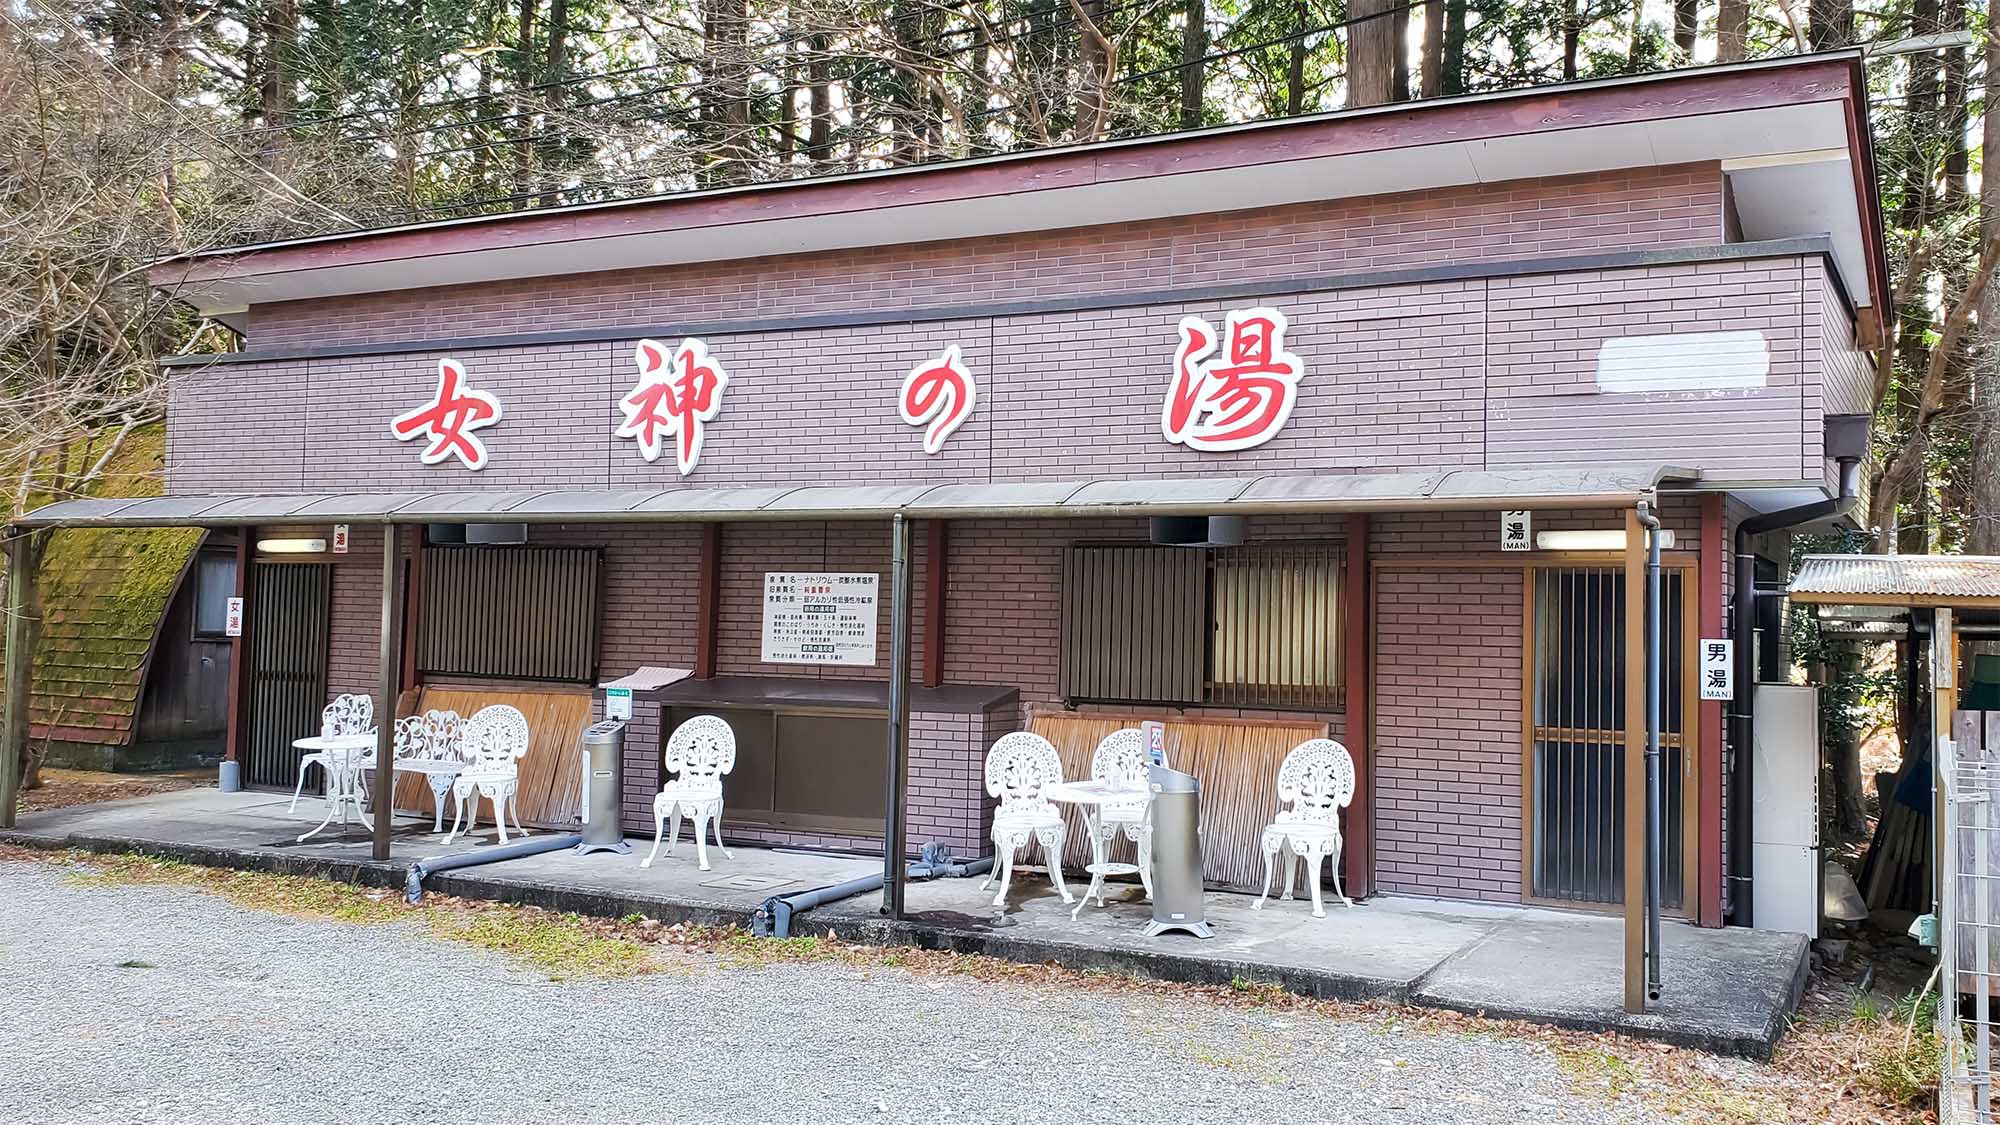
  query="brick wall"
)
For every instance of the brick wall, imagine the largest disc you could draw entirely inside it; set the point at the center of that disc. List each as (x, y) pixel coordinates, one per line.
(1628, 208)
(1448, 732)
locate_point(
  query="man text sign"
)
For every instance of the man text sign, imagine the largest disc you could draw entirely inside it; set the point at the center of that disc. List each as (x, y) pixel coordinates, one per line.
(819, 618)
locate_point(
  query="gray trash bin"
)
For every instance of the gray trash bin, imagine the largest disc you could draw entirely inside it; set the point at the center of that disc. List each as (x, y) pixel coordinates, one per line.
(1177, 888)
(603, 777)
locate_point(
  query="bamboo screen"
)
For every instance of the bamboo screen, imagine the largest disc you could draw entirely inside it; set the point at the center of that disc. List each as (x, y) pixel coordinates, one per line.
(551, 774)
(1237, 763)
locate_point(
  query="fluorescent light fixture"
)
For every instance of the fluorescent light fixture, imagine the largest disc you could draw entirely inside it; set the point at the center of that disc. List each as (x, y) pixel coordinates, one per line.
(291, 546)
(1609, 539)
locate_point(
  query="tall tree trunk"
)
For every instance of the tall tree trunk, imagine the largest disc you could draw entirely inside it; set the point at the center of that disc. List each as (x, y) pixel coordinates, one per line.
(726, 93)
(1983, 535)
(1957, 156)
(275, 86)
(1732, 31)
(1830, 23)
(524, 120)
(1430, 69)
(555, 67)
(819, 131)
(1370, 44)
(1399, 55)
(1194, 45)
(1572, 37)
(1636, 48)
(1295, 62)
(1687, 23)
(1451, 52)
(1093, 64)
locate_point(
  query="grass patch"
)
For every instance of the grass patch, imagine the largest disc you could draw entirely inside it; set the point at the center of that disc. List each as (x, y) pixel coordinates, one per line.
(137, 964)
(1260, 992)
(296, 896)
(560, 945)
(1595, 1071)
(1904, 1065)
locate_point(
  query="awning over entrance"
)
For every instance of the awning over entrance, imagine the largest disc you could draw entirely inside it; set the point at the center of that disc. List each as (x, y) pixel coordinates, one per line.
(1920, 581)
(1193, 495)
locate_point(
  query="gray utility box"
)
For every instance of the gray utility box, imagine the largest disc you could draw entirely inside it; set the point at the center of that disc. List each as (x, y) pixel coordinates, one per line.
(1178, 901)
(603, 781)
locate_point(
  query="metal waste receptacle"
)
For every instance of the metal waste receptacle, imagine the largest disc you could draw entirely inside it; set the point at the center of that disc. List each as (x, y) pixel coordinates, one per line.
(1177, 888)
(603, 777)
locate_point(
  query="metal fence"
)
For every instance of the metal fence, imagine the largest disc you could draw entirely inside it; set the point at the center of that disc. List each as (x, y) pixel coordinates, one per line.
(1968, 931)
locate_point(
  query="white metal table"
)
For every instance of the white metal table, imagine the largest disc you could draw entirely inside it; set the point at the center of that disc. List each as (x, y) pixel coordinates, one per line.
(345, 754)
(1090, 797)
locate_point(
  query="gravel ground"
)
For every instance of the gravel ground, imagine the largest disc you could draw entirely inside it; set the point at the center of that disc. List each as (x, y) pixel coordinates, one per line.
(164, 1004)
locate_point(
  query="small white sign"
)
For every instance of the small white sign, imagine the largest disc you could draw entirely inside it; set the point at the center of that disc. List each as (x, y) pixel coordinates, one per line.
(819, 618)
(1517, 531)
(1718, 669)
(340, 539)
(618, 703)
(232, 625)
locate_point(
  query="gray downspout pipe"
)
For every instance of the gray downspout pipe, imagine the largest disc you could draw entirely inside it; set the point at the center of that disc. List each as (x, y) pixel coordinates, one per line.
(1654, 846)
(413, 884)
(773, 917)
(1742, 708)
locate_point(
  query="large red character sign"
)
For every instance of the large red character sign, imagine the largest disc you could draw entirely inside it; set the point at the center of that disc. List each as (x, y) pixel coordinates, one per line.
(938, 392)
(676, 399)
(449, 418)
(1239, 399)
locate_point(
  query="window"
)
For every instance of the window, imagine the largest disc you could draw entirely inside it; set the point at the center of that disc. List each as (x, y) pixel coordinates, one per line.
(214, 585)
(511, 613)
(1255, 626)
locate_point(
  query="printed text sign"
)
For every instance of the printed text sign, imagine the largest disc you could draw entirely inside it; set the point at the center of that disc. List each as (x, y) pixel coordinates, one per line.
(1717, 669)
(819, 618)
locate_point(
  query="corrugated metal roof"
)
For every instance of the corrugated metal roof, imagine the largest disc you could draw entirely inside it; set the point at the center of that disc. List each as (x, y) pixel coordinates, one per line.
(1914, 579)
(1440, 488)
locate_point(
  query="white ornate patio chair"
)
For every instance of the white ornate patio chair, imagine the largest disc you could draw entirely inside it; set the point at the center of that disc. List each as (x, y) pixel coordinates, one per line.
(1122, 758)
(347, 714)
(698, 753)
(432, 744)
(493, 742)
(1018, 768)
(1315, 782)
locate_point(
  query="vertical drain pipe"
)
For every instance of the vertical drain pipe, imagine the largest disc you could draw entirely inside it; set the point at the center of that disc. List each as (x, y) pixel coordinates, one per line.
(1654, 848)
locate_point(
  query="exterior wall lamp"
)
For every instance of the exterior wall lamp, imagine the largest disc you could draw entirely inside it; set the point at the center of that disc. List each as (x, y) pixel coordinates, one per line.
(291, 546)
(1608, 539)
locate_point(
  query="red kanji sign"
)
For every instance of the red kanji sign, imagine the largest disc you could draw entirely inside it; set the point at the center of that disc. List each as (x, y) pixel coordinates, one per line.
(1237, 400)
(449, 418)
(674, 399)
(939, 392)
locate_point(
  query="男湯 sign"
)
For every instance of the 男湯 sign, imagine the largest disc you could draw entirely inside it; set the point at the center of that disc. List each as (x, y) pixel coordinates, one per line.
(819, 618)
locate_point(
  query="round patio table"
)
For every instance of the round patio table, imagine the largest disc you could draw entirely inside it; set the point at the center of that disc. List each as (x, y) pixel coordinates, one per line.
(1090, 797)
(344, 758)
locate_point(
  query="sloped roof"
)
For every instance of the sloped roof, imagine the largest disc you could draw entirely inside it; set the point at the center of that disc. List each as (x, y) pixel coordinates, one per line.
(104, 595)
(1913, 580)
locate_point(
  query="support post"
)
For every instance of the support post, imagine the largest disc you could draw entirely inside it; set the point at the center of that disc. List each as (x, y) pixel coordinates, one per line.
(894, 827)
(14, 727)
(936, 547)
(707, 600)
(237, 726)
(390, 682)
(1358, 721)
(413, 605)
(1708, 770)
(1635, 763)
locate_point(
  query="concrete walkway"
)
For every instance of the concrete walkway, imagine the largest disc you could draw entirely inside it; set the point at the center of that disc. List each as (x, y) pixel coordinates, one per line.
(1729, 991)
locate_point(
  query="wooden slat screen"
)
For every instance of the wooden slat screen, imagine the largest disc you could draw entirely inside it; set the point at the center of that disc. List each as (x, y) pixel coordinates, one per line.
(551, 781)
(1135, 623)
(517, 613)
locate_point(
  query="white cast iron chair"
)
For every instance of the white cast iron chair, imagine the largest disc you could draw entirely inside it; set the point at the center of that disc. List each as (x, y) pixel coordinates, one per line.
(1018, 768)
(432, 744)
(698, 753)
(1315, 782)
(347, 714)
(1122, 757)
(493, 742)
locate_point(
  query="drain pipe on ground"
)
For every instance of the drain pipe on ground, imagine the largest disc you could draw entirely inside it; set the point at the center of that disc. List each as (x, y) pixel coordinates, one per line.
(1651, 523)
(774, 917)
(413, 884)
